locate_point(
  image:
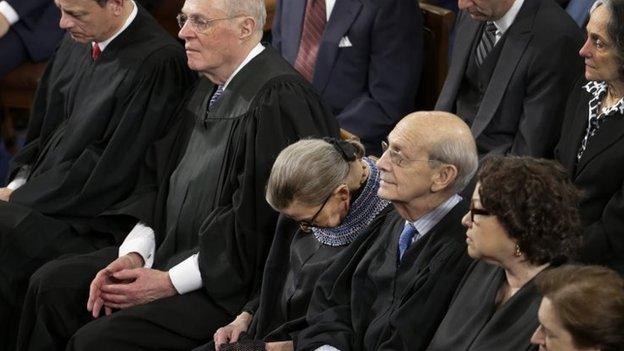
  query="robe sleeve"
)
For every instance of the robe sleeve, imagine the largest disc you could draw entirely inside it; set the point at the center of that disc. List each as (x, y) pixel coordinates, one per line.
(106, 170)
(235, 237)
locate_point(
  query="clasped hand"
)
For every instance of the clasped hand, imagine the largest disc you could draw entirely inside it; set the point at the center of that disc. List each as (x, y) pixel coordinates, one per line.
(123, 284)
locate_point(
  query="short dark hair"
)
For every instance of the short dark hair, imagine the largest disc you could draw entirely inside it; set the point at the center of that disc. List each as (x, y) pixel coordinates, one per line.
(101, 2)
(589, 302)
(536, 203)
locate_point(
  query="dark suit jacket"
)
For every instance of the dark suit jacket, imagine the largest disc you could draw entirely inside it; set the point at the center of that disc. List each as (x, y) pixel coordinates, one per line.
(38, 26)
(371, 84)
(600, 174)
(521, 109)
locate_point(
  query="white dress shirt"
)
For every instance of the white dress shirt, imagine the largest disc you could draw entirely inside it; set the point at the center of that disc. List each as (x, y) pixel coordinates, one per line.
(8, 12)
(503, 23)
(185, 276)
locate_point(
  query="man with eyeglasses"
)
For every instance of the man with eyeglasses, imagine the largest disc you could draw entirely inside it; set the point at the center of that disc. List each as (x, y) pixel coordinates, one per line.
(197, 251)
(108, 93)
(391, 289)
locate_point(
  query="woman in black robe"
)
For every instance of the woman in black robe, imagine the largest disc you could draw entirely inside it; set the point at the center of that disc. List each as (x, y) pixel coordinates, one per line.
(327, 195)
(522, 220)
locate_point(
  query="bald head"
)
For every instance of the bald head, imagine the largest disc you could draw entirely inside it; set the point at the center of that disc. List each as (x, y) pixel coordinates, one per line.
(445, 137)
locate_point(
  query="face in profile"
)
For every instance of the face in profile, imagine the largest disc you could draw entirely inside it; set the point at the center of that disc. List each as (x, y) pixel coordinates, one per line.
(86, 21)
(209, 35)
(486, 237)
(551, 335)
(599, 50)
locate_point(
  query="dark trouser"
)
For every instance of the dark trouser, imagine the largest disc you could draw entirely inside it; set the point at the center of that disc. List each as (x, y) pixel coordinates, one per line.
(55, 312)
(28, 240)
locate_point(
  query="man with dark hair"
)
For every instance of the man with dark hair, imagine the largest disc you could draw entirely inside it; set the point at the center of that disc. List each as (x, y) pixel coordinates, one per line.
(197, 252)
(512, 68)
(107, 94)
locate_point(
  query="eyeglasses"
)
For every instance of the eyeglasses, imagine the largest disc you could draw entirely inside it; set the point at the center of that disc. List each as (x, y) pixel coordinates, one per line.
(397, 159)
(199, 24)
(478, 211)
(306, 225)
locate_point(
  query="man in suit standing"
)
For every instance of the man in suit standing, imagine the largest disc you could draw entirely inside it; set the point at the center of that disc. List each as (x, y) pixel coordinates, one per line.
(513, 65)
(364, 57)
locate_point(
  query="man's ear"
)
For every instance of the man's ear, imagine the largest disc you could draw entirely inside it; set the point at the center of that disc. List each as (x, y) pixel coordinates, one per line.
(343, 191)
(247, 27)
(116, 6)
(444, 177)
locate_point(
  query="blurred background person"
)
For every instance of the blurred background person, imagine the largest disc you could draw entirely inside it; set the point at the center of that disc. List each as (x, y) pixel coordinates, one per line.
(327, 195)
(582, 309)
(522, 220)
(591, 146)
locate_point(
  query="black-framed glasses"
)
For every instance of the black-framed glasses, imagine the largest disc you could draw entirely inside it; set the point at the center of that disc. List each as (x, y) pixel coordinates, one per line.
(307, 224)
(199, 24)
(397, 159)
(478, 211)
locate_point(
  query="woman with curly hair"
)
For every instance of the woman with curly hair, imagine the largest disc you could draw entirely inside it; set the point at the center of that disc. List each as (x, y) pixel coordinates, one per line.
(522, 221)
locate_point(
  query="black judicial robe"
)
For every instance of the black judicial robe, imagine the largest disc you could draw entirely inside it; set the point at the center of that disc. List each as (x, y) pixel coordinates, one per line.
(211, 197)
(366, 301)
(92, 122)
(474, 323)
(295, 263)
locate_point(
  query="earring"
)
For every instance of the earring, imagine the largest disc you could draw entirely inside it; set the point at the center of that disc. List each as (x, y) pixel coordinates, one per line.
(518, 252)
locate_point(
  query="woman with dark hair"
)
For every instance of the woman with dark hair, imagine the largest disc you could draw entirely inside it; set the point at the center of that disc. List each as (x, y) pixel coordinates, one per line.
(326, 192)
(591, 146)
(582, 310)
(522, 220)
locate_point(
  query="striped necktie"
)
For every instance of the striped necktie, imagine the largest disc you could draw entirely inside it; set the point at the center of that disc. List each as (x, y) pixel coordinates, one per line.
(488, 40)
(311, 35)
(215, 97)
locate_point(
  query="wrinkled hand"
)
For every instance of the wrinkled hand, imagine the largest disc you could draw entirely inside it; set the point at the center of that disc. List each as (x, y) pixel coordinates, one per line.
(4, 25)
(105, 277)
(5, 193)
(136, 287)
(232, 331)
(280, 346)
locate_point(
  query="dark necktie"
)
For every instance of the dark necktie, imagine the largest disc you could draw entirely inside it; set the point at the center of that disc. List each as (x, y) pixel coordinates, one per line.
(215, 97)
(488, 40)
(313, 27)
(95, 51)
(405, 240)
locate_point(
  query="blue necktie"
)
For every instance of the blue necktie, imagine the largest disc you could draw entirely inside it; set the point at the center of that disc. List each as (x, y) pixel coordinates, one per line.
(215, 97)
(405, 240)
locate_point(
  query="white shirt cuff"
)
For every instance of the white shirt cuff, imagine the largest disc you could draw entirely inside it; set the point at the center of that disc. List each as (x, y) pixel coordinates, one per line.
(8, 12)
(186, 276)
(326, 348)
(16, 183)
(140, 240)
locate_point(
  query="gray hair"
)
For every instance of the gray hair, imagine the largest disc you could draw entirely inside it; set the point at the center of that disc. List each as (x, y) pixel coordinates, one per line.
(459, 153)
(253, 8)
(308, 171)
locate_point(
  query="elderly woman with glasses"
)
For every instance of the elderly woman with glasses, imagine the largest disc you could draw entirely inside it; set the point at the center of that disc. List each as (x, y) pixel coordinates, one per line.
(522, 221)
(327, 195)
(591, 146)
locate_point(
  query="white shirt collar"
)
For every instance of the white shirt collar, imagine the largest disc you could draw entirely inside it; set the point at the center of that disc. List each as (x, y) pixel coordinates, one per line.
(329, 7)
(503, 23)
(253, 53)
(126, 24)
